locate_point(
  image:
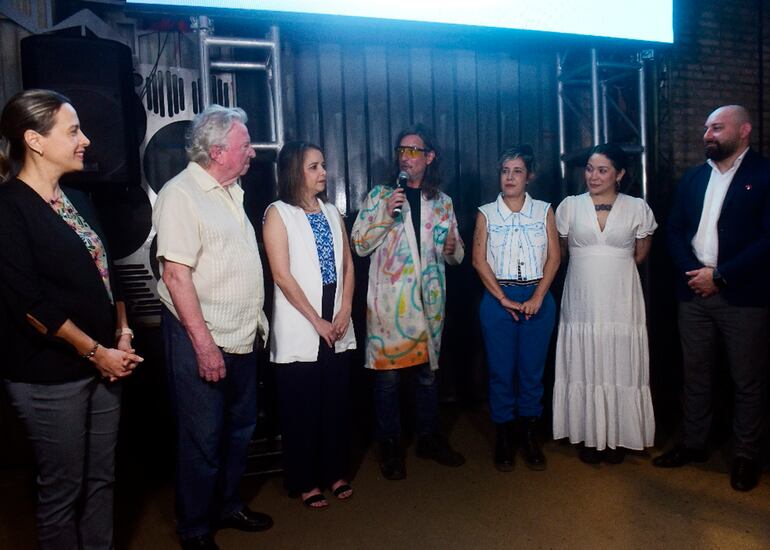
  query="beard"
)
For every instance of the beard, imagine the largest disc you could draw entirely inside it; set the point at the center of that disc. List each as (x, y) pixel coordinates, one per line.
(719, 151)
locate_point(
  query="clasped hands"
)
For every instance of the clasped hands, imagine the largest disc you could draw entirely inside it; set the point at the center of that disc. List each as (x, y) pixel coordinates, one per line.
(528, 308)
(331, 332)
(701, 281)
(118, 362)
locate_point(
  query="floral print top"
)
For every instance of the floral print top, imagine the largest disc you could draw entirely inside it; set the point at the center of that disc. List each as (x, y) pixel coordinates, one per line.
(66, 210)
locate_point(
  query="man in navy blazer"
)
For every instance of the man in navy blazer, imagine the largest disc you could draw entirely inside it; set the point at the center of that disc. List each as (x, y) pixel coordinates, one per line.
(719, 238)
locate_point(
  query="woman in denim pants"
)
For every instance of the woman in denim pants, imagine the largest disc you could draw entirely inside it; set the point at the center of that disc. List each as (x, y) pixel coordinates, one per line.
(516, 254)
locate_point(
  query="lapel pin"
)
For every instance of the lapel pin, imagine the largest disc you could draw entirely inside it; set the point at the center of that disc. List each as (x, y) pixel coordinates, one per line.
(748, 187)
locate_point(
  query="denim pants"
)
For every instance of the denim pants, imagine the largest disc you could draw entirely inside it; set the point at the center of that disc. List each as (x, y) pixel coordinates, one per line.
(214, 423)
(73, 428)
(386, 401)
(516, 353)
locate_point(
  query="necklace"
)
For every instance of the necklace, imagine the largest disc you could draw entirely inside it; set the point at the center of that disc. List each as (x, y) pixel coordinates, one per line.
(55, 197)
(600, 207)
(310, 209)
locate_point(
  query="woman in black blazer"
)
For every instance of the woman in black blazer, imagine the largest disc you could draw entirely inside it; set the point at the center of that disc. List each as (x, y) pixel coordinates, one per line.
(67, 337)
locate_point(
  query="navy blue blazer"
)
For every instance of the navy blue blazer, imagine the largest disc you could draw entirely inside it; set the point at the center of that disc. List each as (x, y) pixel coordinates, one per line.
(743, 228)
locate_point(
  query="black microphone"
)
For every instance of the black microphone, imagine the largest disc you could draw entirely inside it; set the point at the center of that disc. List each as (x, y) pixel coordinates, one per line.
(403, 177)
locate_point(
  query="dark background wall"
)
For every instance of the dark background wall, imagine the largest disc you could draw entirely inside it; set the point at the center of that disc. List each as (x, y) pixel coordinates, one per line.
(353, 99)
(352, 89)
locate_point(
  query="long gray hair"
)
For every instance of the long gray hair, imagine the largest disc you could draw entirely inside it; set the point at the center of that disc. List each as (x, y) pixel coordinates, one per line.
(209, 128)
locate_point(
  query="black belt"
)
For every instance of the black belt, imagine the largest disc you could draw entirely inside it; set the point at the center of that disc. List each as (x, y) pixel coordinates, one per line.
(514, 282)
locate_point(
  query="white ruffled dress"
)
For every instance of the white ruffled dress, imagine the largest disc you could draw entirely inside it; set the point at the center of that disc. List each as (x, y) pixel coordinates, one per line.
(601, 393)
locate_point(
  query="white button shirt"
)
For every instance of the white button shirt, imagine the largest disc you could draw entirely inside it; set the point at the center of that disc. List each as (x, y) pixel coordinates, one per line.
(705, 243)
(202, 225)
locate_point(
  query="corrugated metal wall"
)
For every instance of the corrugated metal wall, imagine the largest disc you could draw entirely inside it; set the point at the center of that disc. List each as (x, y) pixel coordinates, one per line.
(10, 68)
(353, 99)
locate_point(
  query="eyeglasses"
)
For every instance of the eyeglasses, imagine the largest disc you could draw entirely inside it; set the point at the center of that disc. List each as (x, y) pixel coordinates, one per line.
(410, 151)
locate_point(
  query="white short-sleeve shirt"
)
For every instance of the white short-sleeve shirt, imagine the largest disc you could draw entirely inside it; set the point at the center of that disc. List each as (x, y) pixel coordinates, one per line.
(203, 225)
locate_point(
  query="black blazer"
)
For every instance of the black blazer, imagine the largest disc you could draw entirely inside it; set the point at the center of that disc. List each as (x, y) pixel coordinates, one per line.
(743, 228)
(47, 272)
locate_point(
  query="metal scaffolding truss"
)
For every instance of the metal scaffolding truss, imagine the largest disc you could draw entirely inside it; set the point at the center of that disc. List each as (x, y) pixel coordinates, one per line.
(271, 65)
(588, 112)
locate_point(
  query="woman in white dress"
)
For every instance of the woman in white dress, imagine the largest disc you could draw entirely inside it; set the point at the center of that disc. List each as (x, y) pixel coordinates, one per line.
(601, 394)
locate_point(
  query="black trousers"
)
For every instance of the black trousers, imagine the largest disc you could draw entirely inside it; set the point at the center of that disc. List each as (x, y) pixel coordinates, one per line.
(703, 323)
(314, 406)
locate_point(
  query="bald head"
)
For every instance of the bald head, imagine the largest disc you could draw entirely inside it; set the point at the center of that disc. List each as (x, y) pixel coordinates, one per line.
(727, 134)
(738, 113)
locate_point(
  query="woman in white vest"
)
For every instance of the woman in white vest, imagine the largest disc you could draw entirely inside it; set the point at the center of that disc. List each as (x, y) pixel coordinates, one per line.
(516, 254)
(312, 267)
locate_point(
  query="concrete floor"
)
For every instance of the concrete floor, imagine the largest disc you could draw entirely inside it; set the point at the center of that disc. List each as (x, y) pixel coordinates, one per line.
(570, 505)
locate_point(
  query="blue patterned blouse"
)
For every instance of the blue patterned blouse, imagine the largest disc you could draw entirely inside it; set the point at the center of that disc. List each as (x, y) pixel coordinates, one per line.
(325, 246)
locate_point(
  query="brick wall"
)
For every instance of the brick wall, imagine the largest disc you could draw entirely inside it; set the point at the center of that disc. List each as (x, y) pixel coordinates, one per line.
(715, 61)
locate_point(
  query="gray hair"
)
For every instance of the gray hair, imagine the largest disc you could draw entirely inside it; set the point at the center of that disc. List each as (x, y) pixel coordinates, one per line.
(209, 128)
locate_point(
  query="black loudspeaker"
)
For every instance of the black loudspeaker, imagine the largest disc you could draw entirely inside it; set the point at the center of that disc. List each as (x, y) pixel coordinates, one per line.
(97, 76)
(170, 99)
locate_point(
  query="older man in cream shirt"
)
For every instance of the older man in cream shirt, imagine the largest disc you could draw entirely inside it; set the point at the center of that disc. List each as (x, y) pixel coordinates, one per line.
(213, 293)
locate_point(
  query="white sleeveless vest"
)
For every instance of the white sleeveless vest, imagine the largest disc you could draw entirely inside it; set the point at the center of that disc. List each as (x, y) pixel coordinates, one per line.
(293, 337)
(517, 242)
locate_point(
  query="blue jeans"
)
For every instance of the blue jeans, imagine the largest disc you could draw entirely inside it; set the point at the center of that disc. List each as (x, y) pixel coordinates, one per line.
(386, 403)
(73, 428)
(516, 353)
(214, 422)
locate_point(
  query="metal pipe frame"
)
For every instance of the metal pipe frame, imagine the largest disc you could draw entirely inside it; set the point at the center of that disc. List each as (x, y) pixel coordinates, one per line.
(272, 67)
(226, 66)
(643, 128)
(601, 102)
(605, 114)
(276, 75)
(203, 51)
(240, 42)
(560, 117)
(595, 96)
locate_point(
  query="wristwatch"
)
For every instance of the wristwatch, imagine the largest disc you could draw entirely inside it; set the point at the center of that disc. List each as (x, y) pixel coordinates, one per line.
(718, 279)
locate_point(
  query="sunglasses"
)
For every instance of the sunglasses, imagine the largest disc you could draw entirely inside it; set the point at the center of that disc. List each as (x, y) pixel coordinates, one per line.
(410, 151)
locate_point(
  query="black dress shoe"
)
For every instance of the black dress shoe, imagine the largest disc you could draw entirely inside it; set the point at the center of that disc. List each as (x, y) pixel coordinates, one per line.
(744, 475)
(614, 456)
(246, 520)
(435, 447)
(201, 542)
(589, 455)
(679, 456)
(392, 460)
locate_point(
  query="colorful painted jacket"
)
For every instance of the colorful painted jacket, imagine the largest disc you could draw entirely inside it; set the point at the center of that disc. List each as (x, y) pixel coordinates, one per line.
(407, 293)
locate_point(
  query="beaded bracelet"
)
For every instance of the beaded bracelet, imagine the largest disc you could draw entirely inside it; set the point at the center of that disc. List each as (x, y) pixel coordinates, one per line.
(123, 331)
(91, 353)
